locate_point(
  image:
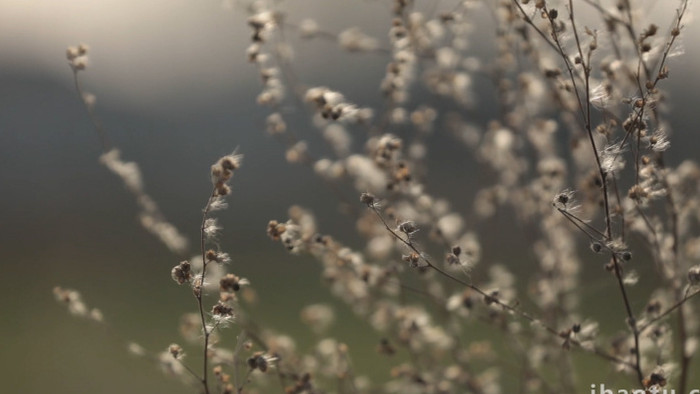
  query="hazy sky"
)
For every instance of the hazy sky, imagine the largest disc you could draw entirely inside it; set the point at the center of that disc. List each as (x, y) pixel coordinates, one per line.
(151, 51)
(145, 51)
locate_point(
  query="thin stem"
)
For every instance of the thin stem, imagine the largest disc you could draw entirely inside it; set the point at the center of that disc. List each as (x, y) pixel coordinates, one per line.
(236, 352)
(188, 369)
(578, 222)
(528, 20)
(668, 311)
(460, 281)
(96, 122)
(198, 293)
(632, 321)
(586, 115)
(489, 297)
(684, 355)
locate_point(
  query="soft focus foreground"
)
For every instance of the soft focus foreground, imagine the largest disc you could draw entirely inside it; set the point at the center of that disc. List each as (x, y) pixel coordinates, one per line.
(564, 133)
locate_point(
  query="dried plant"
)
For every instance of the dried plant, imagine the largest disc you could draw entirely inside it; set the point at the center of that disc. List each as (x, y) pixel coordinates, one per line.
(577, 154)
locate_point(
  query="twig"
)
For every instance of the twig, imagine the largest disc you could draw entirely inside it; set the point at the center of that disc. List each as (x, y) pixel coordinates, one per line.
(198, 293)
(487, 296)
(96, 122)
(668, 311)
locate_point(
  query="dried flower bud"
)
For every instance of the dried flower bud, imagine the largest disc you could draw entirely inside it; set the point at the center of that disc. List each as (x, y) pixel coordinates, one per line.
(275, 229)
(657, 378)
(176, 351)
(222, 310)
(564, 200)
(637, 192)
(261, 361)
(72, 53)
(408, 227)
(491, 298)
(222, 171)
(231, 282)
(182, 273)
(452, 259)
(651, 30)
(653, 307)
(412, 259)
(694, 275)
(367, 199)
(210, 255)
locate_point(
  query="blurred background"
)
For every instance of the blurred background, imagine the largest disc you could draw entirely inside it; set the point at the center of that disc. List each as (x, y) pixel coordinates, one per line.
(175, 93)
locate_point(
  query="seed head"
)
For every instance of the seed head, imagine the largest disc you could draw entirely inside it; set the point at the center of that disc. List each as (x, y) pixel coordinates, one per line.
(182, 273)
(368, 199)
(231, 282)
(412, 259)
(408, 227)
(694, 275)
(176, 351)
(222, 310)
(275, 229)
(452, 259)
(261, 361)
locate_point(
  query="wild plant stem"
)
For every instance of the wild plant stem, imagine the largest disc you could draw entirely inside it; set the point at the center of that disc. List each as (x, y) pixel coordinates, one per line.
(668, 311)
(585, 112)
(487, 296)
(94, 119)
(198, 293)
